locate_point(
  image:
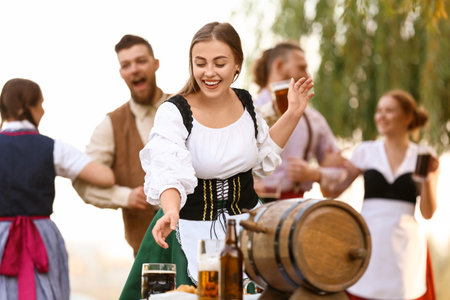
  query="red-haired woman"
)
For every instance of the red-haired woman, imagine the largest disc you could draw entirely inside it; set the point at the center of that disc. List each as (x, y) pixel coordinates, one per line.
(399, 266)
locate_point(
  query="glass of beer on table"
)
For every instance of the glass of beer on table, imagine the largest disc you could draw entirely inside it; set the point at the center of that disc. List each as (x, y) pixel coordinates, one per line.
(157, 278)
(208, 268)
(280, 91)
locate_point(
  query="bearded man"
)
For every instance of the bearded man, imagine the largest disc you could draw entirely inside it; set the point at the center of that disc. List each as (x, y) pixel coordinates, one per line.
(117, 140)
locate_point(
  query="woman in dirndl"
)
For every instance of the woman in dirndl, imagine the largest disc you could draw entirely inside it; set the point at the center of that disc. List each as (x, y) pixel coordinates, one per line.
(34, 261)
(399, 267)
(205, 145)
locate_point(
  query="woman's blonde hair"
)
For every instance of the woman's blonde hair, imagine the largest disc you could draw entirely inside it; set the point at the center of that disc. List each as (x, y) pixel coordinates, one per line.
(223, 32)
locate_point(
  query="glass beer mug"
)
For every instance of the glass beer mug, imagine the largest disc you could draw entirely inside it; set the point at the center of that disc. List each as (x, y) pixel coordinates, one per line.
(208, 268)
(424, 161)
(280, 90)
(157, 278)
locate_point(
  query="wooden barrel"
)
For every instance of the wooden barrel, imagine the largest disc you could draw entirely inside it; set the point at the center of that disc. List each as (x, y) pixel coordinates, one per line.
(320, 244)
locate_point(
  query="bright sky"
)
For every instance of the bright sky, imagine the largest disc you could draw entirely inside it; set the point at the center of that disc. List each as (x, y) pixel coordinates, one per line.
(68, 48)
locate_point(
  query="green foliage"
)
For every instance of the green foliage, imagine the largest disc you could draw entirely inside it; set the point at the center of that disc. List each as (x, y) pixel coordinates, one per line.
(368, 47)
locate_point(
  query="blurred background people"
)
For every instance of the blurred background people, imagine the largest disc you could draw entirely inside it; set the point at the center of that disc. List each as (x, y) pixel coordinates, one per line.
(117, 140)
(399, 266)
(34, 261)
(311, 139)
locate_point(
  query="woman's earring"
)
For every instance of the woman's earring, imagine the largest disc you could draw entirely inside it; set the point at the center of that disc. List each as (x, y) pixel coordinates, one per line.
(236, 75)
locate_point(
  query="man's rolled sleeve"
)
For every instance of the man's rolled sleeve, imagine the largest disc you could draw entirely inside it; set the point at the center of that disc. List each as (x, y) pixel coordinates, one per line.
(101, 149)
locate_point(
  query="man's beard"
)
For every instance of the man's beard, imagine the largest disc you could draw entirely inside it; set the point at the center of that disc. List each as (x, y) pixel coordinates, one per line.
(148, 97)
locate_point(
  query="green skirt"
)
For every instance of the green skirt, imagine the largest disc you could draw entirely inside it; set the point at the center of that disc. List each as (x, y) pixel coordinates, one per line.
(151, 252)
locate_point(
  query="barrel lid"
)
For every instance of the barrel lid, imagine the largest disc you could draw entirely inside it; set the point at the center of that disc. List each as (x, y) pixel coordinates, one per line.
(331, 245)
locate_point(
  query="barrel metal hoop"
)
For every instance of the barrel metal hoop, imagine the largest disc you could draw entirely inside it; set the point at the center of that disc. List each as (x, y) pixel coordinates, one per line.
(277, 245)
(250, 247)
(291, 253)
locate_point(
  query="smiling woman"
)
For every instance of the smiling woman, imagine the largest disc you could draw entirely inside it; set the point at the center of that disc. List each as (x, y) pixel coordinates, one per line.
(390, 201)
(214, 70)
(207, 141)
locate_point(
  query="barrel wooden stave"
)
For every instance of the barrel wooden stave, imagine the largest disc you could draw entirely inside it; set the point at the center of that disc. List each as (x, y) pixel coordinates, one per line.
(334, 228)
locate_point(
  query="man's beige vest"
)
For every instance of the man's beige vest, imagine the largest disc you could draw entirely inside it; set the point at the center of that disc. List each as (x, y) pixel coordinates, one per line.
(128, 171)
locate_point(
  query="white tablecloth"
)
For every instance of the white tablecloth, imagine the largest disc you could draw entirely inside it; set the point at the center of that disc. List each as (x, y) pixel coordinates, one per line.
(188, 296)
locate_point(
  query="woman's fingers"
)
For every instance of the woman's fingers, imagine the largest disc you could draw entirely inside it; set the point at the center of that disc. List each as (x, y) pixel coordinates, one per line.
(300, 92)
(300, 82)
(307, 86)
(161, 240)
(303, 81)
(303, 85)
(164, 227)
(157, 234)
(160, 231)
(434, 164)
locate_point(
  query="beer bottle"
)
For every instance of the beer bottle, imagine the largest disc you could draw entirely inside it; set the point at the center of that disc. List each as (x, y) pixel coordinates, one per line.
(230, 287)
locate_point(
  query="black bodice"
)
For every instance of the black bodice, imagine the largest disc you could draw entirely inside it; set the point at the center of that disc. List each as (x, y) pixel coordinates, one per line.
(376, 186)
(214, 196)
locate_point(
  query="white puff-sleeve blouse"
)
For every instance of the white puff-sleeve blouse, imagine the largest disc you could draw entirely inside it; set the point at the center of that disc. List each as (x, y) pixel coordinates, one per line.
(172, 159)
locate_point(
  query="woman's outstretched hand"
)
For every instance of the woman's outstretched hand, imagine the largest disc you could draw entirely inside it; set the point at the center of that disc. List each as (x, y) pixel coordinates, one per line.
(164, 226)
(298, 98)
(299, 94)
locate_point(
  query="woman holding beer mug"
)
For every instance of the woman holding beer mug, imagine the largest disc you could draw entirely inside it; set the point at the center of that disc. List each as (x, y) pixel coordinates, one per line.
(205, 144)
(399, 267)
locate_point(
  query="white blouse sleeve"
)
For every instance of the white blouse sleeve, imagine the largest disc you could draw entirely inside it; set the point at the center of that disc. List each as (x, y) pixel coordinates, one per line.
(360, 156)
(68, 160)
(165, 159)
(268, 151)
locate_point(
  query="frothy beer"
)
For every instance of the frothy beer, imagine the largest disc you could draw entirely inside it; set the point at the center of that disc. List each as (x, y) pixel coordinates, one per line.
(208, 277)
(157, 282)
(280, 91)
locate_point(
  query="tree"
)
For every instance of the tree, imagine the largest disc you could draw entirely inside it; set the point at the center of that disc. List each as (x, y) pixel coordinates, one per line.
(368, 47)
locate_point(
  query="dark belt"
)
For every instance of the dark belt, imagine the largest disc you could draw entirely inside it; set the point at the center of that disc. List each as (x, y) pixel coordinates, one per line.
(291, 194)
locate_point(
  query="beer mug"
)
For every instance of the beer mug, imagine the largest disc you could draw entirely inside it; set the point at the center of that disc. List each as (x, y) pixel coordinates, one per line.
(422, 162)
(208, 268)
(280, 91)
(157, 278)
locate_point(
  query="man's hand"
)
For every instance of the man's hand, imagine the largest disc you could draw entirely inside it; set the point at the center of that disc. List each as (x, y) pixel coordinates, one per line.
(137, 199)
(300, 171)
(333, 159)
